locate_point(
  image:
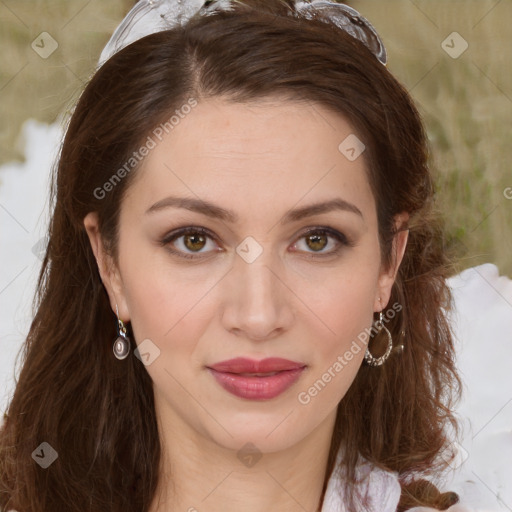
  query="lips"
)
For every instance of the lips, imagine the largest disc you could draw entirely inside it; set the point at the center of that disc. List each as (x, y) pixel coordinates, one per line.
(251, 367)
(257, 380)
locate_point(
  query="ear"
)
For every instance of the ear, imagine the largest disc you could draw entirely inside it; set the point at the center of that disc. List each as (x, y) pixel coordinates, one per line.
(388, 276)
(109, 272)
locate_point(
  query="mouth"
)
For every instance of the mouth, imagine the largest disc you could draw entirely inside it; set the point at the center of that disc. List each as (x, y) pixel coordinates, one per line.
(256, 374)
(253, 367)
(253, 379)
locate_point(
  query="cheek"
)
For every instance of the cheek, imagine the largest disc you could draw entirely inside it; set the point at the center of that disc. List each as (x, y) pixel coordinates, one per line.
(342, 297)
(156, 299)
(350, 309)
(343, 307)
(169, 305)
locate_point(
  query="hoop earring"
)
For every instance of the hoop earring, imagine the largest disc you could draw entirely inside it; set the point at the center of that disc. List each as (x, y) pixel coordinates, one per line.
(378, 361)
(121, 347)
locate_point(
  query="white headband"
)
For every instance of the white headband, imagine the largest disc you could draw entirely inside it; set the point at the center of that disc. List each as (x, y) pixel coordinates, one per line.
(151, 16)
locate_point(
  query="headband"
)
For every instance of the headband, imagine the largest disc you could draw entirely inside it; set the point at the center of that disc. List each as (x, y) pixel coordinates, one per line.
(151, 16)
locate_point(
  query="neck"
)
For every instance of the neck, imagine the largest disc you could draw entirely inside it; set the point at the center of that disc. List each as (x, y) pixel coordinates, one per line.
(197, 474)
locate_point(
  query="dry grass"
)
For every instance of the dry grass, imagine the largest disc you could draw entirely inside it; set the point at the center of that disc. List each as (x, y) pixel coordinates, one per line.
(466, 102)
(467, 106)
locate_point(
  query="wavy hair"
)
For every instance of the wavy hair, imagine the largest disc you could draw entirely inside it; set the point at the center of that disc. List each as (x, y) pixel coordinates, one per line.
(98, 412)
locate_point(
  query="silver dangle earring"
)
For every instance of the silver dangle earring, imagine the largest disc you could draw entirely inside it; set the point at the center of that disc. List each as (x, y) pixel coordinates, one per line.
(378, 361)
(121, 346)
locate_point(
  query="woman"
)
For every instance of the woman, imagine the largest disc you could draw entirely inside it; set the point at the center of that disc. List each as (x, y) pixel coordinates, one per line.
(247, 195)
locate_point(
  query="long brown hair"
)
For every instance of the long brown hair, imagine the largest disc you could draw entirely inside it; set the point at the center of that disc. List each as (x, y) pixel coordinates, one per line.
(98, 412)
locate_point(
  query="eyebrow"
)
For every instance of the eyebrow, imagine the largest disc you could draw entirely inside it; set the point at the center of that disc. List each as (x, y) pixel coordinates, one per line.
(214, 211)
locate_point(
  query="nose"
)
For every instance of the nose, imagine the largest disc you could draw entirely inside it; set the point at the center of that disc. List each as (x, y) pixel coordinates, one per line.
(258, 302)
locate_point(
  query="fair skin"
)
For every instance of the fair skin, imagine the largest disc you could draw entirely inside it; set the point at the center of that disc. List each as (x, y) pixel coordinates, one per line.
(257, 160)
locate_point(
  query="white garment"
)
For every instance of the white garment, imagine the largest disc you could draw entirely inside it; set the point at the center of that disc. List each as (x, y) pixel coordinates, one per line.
(381, 488)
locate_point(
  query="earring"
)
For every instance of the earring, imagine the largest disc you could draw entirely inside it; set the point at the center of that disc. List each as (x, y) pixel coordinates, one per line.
(121, 346)
(377, 361)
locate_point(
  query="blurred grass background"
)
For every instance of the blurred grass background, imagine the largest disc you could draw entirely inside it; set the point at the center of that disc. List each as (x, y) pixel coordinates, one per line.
(466, 102)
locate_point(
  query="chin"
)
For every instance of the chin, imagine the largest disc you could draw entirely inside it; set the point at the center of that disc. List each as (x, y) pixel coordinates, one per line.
(267, 433)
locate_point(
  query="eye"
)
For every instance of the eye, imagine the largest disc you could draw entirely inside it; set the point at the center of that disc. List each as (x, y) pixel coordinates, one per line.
(191, 238)
(191, 241)
(317, 239)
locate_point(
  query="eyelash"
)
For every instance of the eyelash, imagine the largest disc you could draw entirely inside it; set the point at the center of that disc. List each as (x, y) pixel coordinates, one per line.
(190, 230)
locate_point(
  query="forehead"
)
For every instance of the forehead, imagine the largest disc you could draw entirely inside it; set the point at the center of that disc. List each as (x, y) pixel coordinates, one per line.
(270, 152)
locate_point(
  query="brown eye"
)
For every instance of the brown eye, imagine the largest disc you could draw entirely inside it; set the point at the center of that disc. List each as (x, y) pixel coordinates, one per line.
(194, 242)
(185, 242)
(316, 242)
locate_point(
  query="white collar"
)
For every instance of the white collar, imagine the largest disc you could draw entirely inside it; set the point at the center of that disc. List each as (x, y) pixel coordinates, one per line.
(381, 490)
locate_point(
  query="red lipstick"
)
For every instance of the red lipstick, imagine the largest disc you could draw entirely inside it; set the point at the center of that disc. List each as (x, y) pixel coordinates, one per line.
(256, 380)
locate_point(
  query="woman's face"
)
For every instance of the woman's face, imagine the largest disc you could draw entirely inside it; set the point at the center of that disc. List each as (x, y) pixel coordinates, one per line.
(246, 280)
